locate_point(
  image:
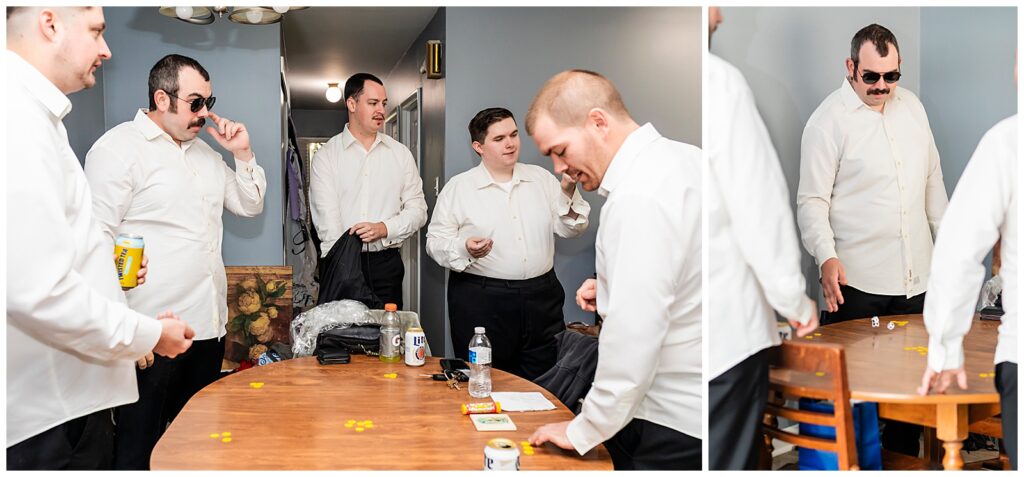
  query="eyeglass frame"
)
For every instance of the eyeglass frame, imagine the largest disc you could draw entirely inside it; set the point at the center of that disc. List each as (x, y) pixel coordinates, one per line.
(196, 104)
(881, 76)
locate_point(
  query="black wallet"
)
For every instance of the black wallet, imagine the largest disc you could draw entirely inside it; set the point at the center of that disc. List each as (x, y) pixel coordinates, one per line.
(335, 356)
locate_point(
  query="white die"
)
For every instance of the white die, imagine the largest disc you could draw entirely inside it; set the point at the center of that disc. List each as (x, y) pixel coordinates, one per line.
(891, 326)
(874, 322)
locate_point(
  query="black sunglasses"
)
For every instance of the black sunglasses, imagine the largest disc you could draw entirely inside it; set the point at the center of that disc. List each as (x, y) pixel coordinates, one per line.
(870, 77)
(196, 104)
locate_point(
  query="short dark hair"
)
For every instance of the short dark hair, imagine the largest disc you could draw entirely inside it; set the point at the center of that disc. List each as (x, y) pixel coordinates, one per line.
(12, 11)
(878, 35)
(484, 119)
(164, 76)
(354, 84)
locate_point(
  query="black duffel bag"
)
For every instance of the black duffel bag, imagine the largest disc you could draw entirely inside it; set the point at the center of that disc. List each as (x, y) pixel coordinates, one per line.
(361, 339)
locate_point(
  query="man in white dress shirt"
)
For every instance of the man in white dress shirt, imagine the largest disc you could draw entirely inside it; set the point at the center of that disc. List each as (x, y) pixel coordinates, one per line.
(754, 265)
(72, 341)
(983, 209)
(645, 402)
(494, 227)
(365, 183)
(871, 194)
(153, 176)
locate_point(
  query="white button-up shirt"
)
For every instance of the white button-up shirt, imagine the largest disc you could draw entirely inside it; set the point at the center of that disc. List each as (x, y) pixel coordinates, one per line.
(350, 184)
(522, 222)
(753, 252)
(871, 190)
(144, 183)
(648, 292)
(72, 341)
(983, 209)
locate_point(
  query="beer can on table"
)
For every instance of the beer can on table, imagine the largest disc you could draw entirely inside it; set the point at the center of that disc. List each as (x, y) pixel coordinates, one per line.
(128, 250)
(501, 454)
(415, 347)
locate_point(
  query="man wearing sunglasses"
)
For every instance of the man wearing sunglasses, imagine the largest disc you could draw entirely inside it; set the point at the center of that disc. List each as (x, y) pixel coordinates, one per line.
(153, 176)
(871, 193)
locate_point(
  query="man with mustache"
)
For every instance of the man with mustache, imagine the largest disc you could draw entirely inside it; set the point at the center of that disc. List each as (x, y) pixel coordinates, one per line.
(153, 176)
(71, 339)
(645, 403)
(365, 183)
(509, 288)
(871, 194)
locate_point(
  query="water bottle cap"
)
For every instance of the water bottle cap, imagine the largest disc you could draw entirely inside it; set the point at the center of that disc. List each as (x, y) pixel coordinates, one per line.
(478, 330)
(390, 307)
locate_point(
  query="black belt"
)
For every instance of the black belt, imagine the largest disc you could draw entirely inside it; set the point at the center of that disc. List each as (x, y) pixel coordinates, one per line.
(502, 283)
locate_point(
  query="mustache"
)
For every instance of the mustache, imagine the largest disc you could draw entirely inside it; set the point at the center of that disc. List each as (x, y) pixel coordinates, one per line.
(198, 122)
(878, 91)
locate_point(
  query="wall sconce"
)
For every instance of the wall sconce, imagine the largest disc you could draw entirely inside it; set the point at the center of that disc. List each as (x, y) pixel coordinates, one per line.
(244, 15)
(333, 92)
(435, 60)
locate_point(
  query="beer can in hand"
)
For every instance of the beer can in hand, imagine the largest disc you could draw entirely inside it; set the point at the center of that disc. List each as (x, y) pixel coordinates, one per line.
(128, 252)
(415, 347)
(501, 454)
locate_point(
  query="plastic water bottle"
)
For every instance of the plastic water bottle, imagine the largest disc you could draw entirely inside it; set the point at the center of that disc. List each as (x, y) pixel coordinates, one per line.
(479, 364)
(391, 335)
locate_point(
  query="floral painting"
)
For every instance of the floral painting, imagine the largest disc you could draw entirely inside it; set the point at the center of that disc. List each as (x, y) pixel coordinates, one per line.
(259, 313)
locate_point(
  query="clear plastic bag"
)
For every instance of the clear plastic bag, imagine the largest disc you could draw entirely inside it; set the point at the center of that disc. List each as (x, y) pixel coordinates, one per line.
(990, 292)
(336, 314)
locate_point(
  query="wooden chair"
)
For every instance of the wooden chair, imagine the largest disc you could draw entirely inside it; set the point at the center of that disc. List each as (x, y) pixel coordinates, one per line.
(797, 369)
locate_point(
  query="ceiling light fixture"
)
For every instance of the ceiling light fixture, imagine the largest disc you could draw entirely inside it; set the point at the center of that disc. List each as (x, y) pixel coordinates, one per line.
(333, 92)
(243, 15)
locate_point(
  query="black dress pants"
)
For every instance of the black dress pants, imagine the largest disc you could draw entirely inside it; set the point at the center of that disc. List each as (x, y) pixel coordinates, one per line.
(84, 443)
(1006, 384)
(644, 445)
(164, 389)
(737, 399)
(521, 318)
(897, 436)
(384, 272)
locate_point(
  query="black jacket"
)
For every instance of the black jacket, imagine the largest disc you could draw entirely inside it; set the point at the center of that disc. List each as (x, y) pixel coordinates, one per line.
(341, 276)
(573, 374)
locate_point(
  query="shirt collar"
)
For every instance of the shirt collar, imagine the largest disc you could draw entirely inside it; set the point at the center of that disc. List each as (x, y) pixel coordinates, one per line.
(631, 147)
(482, 177)
(38, 85)
(347, 139)
(151, 130)
(852, 102)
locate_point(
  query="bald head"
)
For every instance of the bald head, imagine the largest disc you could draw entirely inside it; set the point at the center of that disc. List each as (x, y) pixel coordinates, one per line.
(569, 96)
(64, 43)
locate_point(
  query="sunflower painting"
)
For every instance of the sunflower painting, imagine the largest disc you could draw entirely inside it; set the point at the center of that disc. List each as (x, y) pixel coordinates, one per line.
(259, 313)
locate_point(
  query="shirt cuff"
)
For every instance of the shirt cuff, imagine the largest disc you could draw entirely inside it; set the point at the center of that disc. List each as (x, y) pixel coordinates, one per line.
(245, 166)
(806, 310)
(945, 353)
(825, 252)
(583, 435)
(147, 334)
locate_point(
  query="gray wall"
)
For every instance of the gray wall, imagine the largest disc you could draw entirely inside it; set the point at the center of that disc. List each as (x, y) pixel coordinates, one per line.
(502, 56)
(320, 122)
(244, 66)
(401, 82)
(967, 86)
(794, 57)
(85, 123)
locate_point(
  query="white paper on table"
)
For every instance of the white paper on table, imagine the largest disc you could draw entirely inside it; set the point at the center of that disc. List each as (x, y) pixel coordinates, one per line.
(532, 401)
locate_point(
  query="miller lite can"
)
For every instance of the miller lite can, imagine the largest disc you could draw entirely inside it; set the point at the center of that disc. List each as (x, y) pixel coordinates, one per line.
(415, 347)
(501, 454)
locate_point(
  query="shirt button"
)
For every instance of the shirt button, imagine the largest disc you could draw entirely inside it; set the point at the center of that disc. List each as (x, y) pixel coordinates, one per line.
(514, 217)
(524, 260)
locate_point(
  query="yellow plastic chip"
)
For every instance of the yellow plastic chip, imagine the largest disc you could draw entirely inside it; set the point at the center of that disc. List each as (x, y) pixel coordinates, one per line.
(226, 434)
(226, 439)
(368, 425)
(360, 429)
(817, 334)
(214, 436)
(350, 425)
(819, 373)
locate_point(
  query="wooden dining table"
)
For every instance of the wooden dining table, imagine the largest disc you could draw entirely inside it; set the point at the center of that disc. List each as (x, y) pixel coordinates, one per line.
(298, 414)
(886, 366)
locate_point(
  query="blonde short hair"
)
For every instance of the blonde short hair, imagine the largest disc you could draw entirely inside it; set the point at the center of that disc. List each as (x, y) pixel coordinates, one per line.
(568, 96)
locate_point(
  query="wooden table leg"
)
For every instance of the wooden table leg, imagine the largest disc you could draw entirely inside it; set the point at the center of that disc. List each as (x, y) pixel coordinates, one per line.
(951, 429)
